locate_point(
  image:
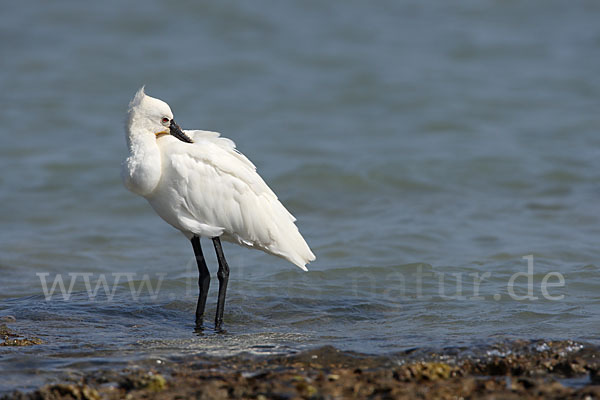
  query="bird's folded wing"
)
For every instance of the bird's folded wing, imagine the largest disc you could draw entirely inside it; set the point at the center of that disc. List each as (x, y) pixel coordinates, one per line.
(220, 187)
(226, 144)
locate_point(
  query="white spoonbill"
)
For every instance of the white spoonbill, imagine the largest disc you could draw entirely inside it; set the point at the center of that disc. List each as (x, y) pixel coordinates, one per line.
(199, 183)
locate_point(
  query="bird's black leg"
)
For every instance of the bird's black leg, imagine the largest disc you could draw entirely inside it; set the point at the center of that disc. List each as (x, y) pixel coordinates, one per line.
(223, 275)
(203, 281)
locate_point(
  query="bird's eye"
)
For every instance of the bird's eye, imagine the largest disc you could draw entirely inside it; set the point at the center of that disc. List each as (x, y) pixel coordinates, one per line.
(165, 120)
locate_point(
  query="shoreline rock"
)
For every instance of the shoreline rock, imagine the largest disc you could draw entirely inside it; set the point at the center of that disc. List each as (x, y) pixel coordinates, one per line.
(514, 370)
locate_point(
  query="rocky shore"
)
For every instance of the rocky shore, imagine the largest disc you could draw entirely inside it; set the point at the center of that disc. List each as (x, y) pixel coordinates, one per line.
(515, 370)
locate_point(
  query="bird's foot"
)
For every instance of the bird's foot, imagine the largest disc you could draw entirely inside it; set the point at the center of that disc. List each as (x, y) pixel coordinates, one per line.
(199, 329)
(219, 327)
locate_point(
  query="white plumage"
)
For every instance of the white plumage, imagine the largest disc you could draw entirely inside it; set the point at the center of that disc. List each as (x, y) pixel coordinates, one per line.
(205, 188)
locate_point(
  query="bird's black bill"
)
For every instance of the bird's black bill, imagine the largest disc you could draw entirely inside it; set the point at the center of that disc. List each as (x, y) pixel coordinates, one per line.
(176, 131)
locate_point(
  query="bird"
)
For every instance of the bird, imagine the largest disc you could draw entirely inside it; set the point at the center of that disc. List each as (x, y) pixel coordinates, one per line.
(199, 183)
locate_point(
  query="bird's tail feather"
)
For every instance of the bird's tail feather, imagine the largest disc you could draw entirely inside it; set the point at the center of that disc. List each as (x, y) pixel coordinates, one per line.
(289, 243)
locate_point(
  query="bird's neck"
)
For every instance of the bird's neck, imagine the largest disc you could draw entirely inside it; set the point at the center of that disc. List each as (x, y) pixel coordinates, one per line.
(142, 168)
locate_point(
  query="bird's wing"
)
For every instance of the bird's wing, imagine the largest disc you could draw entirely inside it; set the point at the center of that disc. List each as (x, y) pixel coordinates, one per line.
(226, 144)
(220, 187)
(229, 159)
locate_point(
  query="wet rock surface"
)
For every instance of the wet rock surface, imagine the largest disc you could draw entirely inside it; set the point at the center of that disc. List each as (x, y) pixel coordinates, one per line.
(515, 370)
(9, 337)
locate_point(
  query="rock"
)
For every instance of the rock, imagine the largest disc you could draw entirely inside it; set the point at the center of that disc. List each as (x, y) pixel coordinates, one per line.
(61, 391)
(150, 381)
(21, 342)
(427, 371)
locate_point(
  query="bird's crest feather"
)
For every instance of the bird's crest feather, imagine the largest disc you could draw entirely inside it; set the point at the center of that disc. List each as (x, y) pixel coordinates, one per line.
(137, 99)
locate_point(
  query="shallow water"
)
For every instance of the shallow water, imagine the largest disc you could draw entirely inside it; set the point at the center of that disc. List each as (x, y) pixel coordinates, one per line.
(424, 148)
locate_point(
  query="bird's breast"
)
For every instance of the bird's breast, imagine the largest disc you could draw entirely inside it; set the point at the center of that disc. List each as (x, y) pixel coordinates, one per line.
(142, 169)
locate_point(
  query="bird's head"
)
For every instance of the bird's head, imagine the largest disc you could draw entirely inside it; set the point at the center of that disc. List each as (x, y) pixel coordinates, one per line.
(150, 116)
